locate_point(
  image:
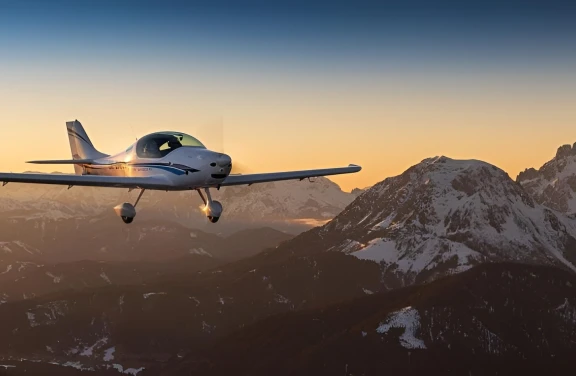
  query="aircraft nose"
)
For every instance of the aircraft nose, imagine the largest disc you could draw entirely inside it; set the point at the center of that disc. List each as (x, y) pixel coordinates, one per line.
(223, 160)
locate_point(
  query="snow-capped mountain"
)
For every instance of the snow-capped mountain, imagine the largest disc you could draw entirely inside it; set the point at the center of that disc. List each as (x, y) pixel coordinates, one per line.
(321, 199)
(554, 184)
(442, 216)
(285, 201)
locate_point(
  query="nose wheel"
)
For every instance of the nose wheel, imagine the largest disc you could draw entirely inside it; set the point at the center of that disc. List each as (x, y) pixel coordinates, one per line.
(212, 208)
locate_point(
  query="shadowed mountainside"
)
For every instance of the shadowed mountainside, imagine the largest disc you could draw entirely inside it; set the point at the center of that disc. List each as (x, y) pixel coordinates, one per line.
(492, 319)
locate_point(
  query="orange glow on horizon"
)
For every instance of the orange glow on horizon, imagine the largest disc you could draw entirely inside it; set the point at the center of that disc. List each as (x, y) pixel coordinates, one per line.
(385, 127)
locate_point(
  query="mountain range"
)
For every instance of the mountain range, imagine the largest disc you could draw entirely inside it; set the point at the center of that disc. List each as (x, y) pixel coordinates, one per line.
(450, 266)
(293, 206)
(443, 216)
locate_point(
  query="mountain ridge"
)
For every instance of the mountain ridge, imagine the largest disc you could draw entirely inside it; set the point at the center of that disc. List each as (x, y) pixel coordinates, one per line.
(441, 216)
(554, 183)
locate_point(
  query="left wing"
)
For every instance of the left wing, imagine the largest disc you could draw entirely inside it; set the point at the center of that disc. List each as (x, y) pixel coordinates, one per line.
(148, 182)
(70, 161)
(289, 175)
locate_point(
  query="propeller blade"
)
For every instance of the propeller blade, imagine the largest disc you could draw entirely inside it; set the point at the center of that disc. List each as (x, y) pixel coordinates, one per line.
(240, 168)
(212, 135)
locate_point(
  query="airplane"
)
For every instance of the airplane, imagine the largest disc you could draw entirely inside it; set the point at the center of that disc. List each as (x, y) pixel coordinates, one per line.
(166, 161)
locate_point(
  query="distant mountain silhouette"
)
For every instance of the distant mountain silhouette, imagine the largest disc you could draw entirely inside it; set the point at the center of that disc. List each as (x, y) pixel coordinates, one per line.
(285, 205)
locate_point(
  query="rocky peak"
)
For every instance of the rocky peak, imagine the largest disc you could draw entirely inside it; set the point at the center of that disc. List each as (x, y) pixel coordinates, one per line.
(554, 184)
(358, 191)
(443, 216)
(564, 151)
(528, 174)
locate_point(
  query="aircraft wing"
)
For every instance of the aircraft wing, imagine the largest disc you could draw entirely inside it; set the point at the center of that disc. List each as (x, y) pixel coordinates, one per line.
(149, 182)
(288, 175)
(70, 161)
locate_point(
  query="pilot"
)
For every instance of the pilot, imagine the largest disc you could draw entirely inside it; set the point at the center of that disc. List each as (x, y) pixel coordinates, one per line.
(151, 149)
(174, 143)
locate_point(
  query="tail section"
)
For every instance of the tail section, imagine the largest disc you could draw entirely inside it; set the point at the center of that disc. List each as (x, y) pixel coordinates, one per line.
(80, 144)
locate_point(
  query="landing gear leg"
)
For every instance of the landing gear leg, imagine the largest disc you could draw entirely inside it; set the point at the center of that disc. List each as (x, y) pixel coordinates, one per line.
(213, 209)
(202, 197)
(139, 197)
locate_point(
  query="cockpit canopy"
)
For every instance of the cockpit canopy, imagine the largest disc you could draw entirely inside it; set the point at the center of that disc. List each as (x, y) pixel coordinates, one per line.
(160, 144)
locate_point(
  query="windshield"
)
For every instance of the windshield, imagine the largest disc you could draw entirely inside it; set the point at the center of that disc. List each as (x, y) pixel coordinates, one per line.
(158, 145)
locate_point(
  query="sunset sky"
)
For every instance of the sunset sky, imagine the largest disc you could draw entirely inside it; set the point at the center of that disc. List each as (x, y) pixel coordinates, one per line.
(295, 85)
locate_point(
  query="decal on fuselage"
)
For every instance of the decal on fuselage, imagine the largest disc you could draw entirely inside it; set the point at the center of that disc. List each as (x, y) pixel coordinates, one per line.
(137, 167)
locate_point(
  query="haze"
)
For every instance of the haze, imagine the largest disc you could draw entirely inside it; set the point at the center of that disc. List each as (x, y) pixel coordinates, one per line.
(292, 86)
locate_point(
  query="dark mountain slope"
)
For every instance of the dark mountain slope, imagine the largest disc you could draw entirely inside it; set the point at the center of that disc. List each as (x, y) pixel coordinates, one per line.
(151, 323)
(492, 319)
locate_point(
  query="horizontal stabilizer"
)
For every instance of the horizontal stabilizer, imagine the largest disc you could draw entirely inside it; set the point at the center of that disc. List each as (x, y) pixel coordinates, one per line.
(68, 161)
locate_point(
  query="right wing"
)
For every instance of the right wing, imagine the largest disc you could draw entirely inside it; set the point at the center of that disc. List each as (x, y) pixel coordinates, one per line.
(288, 175)
(148, 182)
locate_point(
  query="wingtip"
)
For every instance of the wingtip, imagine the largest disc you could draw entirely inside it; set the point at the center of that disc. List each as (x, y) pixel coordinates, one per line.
(356, 166)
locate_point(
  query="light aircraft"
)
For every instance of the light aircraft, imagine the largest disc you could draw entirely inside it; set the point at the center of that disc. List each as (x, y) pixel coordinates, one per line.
(166, 161)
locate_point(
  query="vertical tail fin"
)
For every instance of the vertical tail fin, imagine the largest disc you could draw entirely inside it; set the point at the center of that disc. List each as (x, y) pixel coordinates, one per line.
(80, 144)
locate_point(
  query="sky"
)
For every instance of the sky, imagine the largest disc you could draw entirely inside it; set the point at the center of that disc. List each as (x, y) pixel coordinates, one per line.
(293, 85)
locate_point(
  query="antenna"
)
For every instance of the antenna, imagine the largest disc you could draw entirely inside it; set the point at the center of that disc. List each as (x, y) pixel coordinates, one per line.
(133, 133)
(222, 134)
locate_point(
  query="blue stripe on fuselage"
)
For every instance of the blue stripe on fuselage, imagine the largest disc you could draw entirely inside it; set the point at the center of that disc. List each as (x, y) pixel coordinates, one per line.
(173, 170)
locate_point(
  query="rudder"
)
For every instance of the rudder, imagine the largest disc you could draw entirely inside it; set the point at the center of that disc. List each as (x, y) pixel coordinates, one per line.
(80, 144)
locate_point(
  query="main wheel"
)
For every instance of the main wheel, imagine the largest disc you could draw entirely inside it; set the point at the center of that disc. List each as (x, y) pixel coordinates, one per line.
(213, 219)
(127, 219)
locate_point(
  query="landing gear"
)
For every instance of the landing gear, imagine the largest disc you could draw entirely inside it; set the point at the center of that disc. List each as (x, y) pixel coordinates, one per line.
(127, 219)
(213, 209)
(127, 211)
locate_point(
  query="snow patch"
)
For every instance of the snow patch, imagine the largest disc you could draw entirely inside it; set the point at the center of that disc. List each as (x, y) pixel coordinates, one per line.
(281, 299)
(409, 319)
(54, 278)
(105, 277)
(88, 351)
(199, 251)
(26, 247)
(77, 365)
(129, 371)
(146, 296)
(32, 319)
(109, 354)
(7, 269)
(195, 300)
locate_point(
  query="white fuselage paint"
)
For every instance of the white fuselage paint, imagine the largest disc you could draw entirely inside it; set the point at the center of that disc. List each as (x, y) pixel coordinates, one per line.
(185, 168)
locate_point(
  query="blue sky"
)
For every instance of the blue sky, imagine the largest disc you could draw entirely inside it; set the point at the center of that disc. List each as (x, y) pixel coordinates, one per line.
(349, 32)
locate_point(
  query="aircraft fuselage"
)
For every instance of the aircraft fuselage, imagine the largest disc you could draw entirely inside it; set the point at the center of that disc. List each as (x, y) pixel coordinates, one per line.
(186, 167)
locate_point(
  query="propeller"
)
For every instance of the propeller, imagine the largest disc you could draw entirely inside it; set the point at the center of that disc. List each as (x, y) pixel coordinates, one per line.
(212, 135)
